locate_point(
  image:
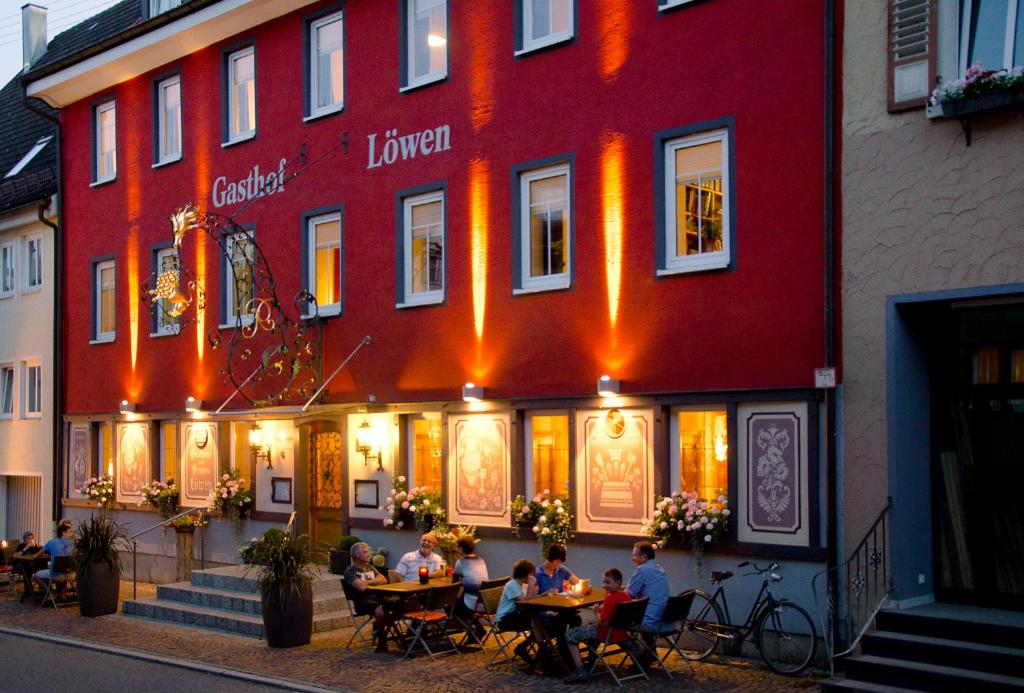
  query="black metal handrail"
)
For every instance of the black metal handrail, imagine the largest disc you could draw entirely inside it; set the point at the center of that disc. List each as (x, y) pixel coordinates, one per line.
(163, 523)
(855, 589)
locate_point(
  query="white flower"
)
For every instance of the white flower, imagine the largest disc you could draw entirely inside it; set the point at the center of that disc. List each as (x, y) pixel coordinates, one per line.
(536, 529)
(547, 492)
(664, 525)
(401, 479)
(679, 525)
(558, 503)
(714, 510)
(560, 510)
(657, 513)
(426, 503)
(412, 508)
(707, 537)
(546, 530)
(726, 512)
(721, 499)
(544, 504)
(542, 519)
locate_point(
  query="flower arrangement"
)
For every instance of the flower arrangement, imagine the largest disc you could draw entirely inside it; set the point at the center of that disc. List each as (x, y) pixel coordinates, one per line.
(162, 495)
(187, 522)
(685, 517)
(231, 498)
(379, 558)
(101, 490)
(551, 516)
(524, 512)
(978, 81)
(419, 505)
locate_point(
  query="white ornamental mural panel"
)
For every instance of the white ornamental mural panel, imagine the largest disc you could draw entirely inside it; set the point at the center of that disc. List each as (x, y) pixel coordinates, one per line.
(479, 478)
(132, 461)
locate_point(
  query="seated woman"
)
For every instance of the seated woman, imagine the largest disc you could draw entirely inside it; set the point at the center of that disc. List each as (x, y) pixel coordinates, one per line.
(359, 575)
(472, 570)
(552, 579)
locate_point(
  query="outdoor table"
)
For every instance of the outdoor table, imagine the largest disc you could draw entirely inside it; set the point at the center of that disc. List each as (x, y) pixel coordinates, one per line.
(394, 596)
(563, 604)
(27, 567)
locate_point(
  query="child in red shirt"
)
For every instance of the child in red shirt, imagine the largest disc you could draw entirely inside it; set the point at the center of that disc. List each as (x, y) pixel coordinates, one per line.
(594, 633)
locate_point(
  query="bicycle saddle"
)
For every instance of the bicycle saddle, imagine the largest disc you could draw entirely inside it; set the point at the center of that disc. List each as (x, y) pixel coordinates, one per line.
(720, 575)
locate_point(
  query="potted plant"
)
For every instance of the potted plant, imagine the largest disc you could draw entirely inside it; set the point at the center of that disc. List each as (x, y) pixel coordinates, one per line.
(420, 506)
(284, 572)
(97, 568)
(340, 557)
(684, 518)
(162, 495)
(231, 499)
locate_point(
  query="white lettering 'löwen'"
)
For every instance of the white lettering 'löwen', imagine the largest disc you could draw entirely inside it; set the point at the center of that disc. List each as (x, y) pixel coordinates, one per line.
(424, 142)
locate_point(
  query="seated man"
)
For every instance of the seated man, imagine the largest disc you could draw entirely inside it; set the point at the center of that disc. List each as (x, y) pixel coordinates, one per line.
(28, 545)
(61, 545)
(594, 633)
(649, 580)
(409, 566)
(359, 575)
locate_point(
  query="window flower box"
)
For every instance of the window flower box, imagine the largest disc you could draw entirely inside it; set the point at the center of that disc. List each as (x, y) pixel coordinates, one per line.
(956, 108)
(979, 90)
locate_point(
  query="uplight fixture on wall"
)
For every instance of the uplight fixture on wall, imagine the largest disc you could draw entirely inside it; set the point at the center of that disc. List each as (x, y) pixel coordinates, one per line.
(193, 405)
(608, 386)
(127, 407)
(366, 443)
(472, 393)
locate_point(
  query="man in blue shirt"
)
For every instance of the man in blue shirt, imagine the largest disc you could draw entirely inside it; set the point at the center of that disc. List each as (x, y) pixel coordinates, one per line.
(648, 580)
(61, 545)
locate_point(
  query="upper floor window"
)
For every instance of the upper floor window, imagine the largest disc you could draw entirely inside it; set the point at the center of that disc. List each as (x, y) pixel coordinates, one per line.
(32, 390)
(665, 4)
(696, 214)
(326, 68)
(168, 97)
(167, 260)
(239, 284)
(991, 33)
(34, 262)
(7, 254)
(159, 6)
(426, 30)
(105, 138)
(546, 22)
(241, 97)
(104, 324)
(6, 391)
(545, 228)
(323, 237)
(423, 236)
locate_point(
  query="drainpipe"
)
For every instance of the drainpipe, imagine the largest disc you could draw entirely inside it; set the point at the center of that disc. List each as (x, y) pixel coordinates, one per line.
(58, 309)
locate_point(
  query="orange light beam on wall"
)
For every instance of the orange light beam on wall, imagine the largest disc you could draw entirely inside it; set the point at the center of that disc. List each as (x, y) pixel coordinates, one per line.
(481, 65)
(478, 182)
(133, 294)
(201, 281)
(612, 198)
(614, 33)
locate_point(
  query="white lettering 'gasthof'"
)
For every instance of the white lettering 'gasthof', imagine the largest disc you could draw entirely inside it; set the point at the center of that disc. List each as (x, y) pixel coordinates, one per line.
(253, 185)
(424, 143)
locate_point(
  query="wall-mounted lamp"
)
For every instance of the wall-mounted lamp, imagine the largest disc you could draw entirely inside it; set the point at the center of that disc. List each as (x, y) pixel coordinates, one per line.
(262, 450)
(366, 443)
(127, 407)
(193, 405)
(472, 393)
(608, 387)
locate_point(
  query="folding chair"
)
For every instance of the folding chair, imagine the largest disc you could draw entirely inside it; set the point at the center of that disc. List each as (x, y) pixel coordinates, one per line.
(676, 610)
(59, 575)
(431, 620)
(496, 582)
(627, 616)
(350, 597)
(7, 570)
(490, 598)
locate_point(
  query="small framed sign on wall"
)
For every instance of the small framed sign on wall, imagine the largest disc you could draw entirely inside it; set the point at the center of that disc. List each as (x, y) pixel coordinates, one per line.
(280, 489)
(367, 494)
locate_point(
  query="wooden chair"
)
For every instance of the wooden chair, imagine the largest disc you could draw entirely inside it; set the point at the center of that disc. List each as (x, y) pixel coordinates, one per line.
(431, 620)
(59, 576)
(676, 610)
(627, 616)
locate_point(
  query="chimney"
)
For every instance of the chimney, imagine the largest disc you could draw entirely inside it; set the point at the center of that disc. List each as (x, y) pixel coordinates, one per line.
(33, 33)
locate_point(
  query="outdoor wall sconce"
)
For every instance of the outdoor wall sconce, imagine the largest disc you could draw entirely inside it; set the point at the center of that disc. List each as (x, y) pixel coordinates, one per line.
(365, 443)
(472, 393)
(608, 387)
(127, 407)
(261, 450)
(193, 405)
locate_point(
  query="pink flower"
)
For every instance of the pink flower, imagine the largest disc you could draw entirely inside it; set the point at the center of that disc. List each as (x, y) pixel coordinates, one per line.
(225, 477)
(405, 505)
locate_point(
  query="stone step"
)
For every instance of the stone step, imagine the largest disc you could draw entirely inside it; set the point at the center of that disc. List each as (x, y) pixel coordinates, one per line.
(994, 659)
(239, 623)
(1002, 634)
(241, 578)
(241, 602)
(851, 686)
(927, 677)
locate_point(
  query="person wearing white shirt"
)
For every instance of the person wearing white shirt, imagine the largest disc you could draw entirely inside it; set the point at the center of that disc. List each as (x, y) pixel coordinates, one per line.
(409, 566)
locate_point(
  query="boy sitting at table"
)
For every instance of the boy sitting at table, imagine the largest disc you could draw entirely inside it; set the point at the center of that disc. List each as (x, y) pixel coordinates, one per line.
(523, 585)
(594, 633)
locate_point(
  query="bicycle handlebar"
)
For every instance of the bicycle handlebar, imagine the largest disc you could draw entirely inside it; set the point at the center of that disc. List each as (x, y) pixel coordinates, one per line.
(758, 569)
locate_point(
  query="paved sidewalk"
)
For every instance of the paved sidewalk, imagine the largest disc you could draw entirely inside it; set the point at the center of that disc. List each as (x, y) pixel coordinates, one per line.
(325, 663)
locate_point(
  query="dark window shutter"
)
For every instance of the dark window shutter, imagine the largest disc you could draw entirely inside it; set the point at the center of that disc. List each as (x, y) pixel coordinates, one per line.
(911, 49)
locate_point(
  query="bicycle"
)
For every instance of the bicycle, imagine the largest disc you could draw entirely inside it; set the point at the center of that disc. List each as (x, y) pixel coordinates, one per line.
(783, 632)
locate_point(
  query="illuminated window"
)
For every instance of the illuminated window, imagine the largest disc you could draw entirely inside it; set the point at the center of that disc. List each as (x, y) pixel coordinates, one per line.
(702, 452)
(106, 449)
(696, 210)
(168, 97)
(986, 366)
(241, 454)
(323, 234)
(167, 261)
(6, 391)
(104, 324)
(548, 464)
(426, 41)
(32, 389)
(423, 240)
(425, 437)
(545, 22)
(238, 281)
(326, 67)
(105, 142)
(240, 68)
(7, 254)
(1017, 366)
(168, 450)
(34, 262)
(544, 237)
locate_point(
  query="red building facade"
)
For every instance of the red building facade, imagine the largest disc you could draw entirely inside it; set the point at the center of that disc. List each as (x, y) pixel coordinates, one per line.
(523, 202)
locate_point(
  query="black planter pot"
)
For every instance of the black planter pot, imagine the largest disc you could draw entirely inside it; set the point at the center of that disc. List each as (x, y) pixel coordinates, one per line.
(339, 560)
(289, 624)
(985, 102)
(97, 590)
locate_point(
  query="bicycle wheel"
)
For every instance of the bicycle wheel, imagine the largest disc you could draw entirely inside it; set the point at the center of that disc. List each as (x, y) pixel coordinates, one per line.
(785, 636)
(703, 627)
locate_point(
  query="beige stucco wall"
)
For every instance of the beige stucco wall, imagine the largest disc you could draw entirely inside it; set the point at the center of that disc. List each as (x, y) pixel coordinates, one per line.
(921, 212)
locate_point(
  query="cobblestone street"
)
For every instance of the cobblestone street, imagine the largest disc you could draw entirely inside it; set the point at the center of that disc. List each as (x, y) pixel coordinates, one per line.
(326, 663)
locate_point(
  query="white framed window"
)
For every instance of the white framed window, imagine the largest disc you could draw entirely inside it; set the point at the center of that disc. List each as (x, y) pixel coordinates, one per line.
(326, 65)
(6, 390)
(426, 29)
(29, 155)
(991, 33)
(105, 324)
(168, 98)
(545, 228)
(238, 282)
(423, 239)
(667, 4)
(105, 137)
(241, 88)
(546, 22)
(7, 263)
(167, 260)
(32, 389)
(323, 236)
(697, 188)
(160, 6)
(33, 262)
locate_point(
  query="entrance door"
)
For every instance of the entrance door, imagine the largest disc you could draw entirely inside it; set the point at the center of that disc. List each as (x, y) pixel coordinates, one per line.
(325, 485)
(978, 503)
